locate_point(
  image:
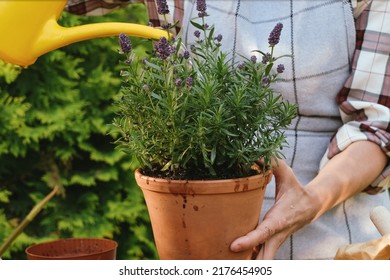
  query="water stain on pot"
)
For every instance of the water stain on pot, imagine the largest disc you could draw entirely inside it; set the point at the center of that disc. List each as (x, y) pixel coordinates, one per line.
(184, 201)
(238, 186)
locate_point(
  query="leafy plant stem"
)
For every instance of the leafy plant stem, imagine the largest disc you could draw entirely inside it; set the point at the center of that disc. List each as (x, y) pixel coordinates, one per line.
(30, 216)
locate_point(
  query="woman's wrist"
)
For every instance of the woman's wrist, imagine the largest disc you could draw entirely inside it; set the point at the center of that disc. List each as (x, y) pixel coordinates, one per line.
(346, 174)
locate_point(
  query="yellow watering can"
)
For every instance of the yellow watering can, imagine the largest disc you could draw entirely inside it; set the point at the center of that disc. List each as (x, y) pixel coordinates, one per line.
(29, 29)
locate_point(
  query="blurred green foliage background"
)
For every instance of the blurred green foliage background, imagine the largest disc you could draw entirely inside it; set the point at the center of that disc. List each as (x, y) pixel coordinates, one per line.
(55, 121)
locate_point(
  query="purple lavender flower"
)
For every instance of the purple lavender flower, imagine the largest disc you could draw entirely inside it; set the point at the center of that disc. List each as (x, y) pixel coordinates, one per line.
(145, 87)
(189, 81)
(253, 58)
(201, 7)
(166, 26)
(274, 36)
(124, 43)
(162, 48)
(266, 58)
(178, 82)
(241, 66)
(219, 38)
(197, 33)
(265, 81)
(186, 55)
(162, 7)
(280, 68)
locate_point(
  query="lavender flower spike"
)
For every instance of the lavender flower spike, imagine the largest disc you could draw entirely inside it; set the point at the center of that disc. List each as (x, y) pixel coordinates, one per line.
(124, 43)
(274, 36)
(280, 68)
(219, 38)
(162, 48)
(201, 7)
(162, 7)
(178, 82)
(189, 81)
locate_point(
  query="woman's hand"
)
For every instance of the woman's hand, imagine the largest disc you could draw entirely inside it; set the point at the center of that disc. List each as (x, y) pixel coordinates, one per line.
(346, 174)
(294, 207)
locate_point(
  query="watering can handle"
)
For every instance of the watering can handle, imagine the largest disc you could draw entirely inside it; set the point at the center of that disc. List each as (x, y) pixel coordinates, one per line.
(380, 216)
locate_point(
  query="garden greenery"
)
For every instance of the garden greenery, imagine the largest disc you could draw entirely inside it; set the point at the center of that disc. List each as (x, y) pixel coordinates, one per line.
(54, 124)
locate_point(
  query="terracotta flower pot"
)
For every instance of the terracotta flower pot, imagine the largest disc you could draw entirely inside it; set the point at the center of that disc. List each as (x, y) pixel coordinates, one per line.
(74, 249)
(199, 219)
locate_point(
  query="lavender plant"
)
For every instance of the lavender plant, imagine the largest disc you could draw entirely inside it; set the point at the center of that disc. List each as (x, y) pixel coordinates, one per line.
(196, 114)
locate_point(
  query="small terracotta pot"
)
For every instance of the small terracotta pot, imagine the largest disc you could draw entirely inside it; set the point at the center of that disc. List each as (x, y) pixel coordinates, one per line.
(199, 219)
(74, 249)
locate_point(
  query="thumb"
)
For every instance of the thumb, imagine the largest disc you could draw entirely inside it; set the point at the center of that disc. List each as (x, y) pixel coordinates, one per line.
(253, 238)
(280, 171)
(284, 178)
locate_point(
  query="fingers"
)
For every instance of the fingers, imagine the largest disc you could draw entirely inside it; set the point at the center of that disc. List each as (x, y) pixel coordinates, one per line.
(253, 238)
(281, 220)
(263, 235)
(268, 249)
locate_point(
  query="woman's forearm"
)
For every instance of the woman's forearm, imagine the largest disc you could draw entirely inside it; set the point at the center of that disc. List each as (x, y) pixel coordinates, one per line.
(346, 174)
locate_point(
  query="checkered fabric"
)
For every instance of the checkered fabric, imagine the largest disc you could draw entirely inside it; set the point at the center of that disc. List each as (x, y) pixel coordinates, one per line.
(95, 7)
(365, 98)
(101, 7)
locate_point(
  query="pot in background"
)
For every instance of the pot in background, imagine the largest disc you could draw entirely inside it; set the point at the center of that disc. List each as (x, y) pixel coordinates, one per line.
(74, 249)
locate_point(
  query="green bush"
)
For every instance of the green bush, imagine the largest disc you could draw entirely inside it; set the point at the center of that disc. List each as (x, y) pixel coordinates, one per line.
(54, 130)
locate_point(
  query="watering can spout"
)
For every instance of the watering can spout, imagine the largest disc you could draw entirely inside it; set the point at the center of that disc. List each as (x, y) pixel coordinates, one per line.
(29, 29)
(56, 36)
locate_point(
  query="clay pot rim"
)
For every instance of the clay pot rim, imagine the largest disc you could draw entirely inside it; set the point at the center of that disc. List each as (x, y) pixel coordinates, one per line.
(113, 243)
(203, 186)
